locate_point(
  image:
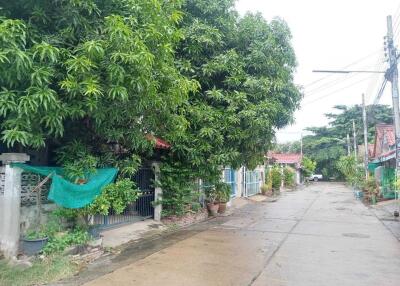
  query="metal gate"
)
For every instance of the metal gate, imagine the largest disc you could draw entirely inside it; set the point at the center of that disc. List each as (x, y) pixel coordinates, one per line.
(138, 210)
(252, 183)
(230, 179)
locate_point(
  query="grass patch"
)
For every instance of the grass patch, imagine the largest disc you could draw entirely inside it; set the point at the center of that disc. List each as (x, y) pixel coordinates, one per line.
(50, 269)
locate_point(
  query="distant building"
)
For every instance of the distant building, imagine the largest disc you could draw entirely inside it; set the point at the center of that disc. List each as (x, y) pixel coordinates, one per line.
(291, 160)
(383, 159)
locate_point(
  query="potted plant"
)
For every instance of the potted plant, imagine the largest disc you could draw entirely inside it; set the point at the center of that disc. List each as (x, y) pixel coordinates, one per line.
(223, 196)
(371, 188)
(34, 241)
(212, 204)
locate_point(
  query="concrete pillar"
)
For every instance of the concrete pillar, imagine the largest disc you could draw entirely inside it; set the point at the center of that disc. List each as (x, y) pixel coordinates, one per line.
(10, 204)
(157, 192)
(241, 182)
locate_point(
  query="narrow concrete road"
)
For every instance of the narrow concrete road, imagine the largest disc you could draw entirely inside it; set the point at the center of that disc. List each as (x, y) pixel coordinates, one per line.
(317, 236)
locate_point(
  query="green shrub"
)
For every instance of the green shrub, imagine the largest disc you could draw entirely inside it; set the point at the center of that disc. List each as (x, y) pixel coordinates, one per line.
(289, 177)
(61, 241)
(308, 166)
(223, 192)
(115, 196)
(179, 189)
(276, 178)
(352, 171)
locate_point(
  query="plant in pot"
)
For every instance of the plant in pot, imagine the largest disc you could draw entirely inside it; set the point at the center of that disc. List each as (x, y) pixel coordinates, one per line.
(223, 195)
(36, 239)
(211, 197)
(371, 187)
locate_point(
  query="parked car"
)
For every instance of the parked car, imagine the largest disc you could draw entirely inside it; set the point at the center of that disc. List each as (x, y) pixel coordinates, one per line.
(315, 177)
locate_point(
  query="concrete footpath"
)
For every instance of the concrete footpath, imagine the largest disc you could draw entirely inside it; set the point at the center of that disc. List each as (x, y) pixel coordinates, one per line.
(320, 235)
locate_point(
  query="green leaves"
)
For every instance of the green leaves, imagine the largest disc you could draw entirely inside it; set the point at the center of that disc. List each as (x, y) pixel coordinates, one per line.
(110, 65)
(79, 65)
(45, 52)
(11, 136)
(244, 66)
(118, 92)
(8, 102)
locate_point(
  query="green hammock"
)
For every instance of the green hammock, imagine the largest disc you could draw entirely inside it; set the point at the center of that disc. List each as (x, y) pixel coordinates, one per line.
(70, 195)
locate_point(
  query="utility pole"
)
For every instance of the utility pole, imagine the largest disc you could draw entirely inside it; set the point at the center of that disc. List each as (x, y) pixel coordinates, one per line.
(364, 111)
(348, 144)
(393, 77)
(354, 139)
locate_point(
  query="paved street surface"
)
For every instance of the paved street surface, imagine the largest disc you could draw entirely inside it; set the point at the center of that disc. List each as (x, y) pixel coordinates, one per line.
(320, 235)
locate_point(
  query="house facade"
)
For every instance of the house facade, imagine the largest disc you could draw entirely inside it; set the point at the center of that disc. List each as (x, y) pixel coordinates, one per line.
(243, 181)
(383, 161)
(292, 160)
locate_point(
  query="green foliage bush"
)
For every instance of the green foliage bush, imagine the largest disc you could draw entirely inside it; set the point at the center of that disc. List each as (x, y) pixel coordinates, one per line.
(179, 189)
(371, 186)
(308, 166)
(115, 196)
(289, 177)
(276, 178)
(352, 171)
(59, 242)
(223, 192)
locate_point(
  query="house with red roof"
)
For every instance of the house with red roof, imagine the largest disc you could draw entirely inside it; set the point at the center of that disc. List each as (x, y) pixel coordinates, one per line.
(384, 146)
(383, 162)
(287, 159)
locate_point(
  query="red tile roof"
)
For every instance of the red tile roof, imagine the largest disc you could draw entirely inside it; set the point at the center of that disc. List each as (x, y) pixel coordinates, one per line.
(160, 143)
(285, 158)
(383, 131)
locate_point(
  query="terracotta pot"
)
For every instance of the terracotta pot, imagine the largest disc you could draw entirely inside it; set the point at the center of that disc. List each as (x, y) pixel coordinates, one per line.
(222, 207)
(213, 208)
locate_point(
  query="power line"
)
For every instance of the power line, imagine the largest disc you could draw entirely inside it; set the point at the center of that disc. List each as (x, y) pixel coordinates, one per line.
(349, 65)
(332, 83)
(336, 91)
(380, 92)
(373, 85)
(397, 18)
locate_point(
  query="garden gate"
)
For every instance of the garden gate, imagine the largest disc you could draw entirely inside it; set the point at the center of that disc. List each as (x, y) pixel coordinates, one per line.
(140, 209)
(230, 179)
(252, 182)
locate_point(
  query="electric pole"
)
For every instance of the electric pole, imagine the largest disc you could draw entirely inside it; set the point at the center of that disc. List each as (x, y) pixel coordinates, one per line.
(393, 77)
(348, 145)
(355, 139)
(364, 112)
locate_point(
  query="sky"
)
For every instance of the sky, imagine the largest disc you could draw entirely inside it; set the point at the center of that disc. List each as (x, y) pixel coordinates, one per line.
(332, 35)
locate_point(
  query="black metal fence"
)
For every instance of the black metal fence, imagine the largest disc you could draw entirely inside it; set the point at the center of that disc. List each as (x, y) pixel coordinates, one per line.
(138, 210)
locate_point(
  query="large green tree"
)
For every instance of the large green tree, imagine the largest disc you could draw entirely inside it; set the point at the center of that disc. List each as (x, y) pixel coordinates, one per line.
(97, 70)
(245, 67)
